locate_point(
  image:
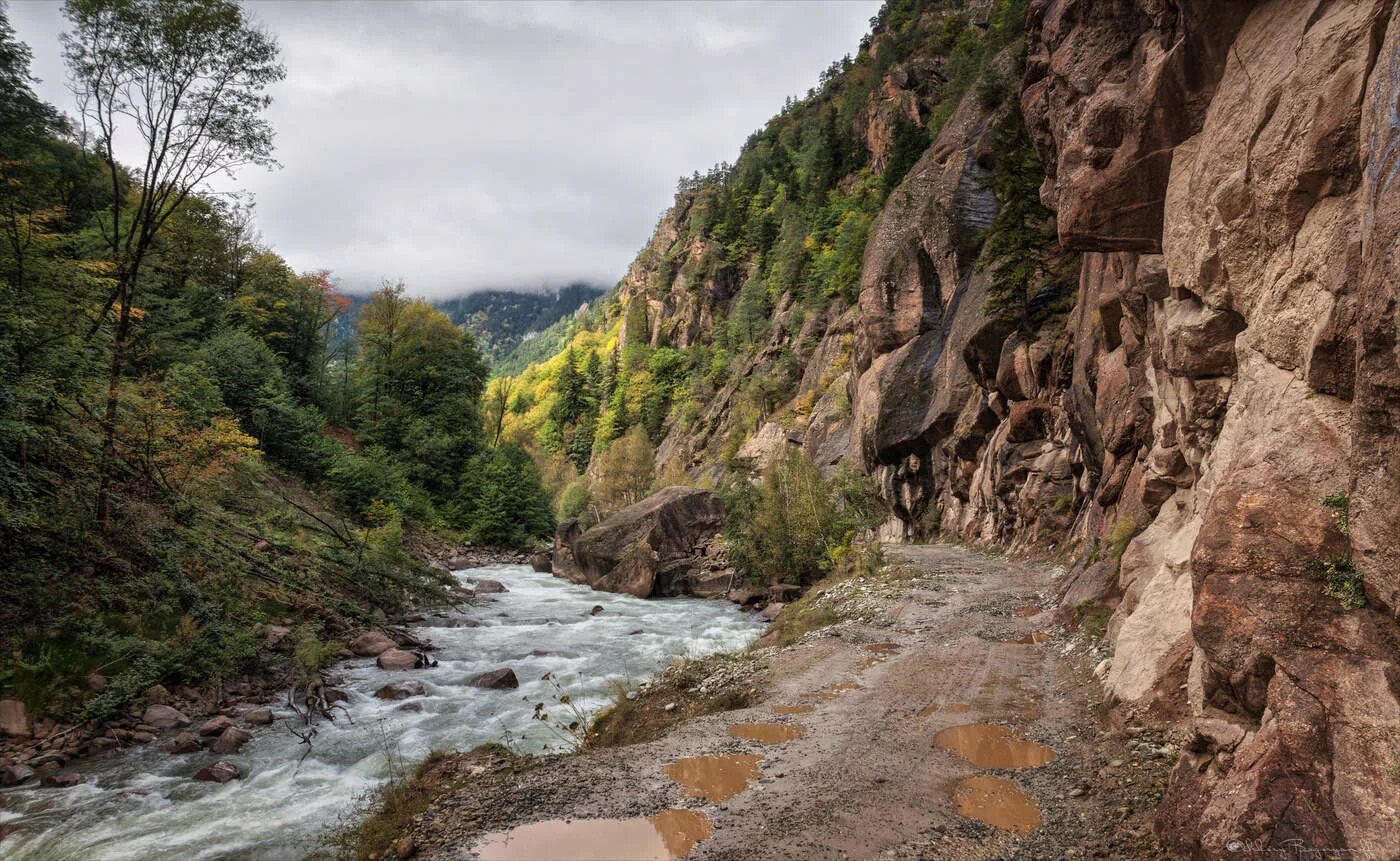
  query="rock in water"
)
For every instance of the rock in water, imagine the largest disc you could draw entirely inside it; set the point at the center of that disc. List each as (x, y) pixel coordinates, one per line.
(62, 780)
(502, 679)
(219, 772)
(542, 561)
(184, 743)
(397, 659)
(230, 740)
(14, 775)
(401, 690)
(371, 644)
(215, 725)
(490, 587)
(655, 547)
(260, 716)
(164, 717)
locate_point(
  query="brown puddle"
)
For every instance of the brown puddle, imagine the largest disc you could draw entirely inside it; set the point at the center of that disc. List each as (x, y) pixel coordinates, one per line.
(992, 746)
(715, 778)
(1034, 638)
(768, 733)
(834, 692)
(667, 835)
(867, 663)
(793, 710)
(883, 648)
(1027, 611)
(950, 707)
(999, 802)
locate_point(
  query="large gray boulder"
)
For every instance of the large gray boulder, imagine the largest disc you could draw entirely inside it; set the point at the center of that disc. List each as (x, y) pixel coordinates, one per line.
(655, 547)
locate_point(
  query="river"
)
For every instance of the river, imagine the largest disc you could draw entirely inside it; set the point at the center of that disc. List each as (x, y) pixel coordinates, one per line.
(143, 804)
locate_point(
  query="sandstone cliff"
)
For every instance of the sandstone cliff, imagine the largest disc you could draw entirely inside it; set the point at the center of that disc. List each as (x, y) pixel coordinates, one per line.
(1210, 435)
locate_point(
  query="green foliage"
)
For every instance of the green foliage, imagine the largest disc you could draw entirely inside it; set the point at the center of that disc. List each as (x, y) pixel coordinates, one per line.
(1341, 581)
(502, 320)
(502, 500)
(794, 524)
(1340, 505)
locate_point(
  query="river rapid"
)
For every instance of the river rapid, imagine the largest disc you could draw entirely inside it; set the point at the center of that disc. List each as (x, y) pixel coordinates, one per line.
(142, 803)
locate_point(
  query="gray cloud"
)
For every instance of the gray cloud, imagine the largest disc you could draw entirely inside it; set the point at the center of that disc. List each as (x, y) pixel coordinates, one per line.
(467, 145)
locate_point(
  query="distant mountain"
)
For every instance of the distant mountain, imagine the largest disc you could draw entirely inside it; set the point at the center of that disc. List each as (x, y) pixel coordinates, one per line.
(503, 319)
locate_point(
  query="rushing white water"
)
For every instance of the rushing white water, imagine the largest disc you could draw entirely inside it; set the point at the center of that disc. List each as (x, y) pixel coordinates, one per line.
(143, 804)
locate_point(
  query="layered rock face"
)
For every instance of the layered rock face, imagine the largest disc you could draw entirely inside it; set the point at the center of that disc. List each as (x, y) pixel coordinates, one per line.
(1229, 168)
(662, 546)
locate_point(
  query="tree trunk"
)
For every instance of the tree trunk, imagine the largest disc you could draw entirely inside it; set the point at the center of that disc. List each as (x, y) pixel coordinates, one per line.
(109, 414)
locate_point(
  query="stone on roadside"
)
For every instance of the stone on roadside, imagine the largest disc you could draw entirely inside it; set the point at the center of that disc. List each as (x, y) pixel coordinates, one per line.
(501, 679)
(371, 644)
(396, 659)
(219, 772)
(164, 717)
(230, 740)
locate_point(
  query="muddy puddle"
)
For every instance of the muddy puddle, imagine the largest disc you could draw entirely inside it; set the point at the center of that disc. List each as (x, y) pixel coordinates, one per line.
(1027, 611)
(793, 710)
(952, 708)
(836, 691)
(1034, 638)
(715, 778)
(768, 733)
(991, 746)
(997, 802)
(667, 835)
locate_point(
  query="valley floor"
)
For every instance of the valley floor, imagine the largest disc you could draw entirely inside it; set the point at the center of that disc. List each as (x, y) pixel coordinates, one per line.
(958, 638)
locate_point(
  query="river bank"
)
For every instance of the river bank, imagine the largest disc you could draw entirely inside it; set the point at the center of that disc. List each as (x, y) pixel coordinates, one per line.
(940, 715)
(142, 801)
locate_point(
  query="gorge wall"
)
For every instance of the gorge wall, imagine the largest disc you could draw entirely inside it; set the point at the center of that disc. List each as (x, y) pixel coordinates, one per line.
(1211, 433)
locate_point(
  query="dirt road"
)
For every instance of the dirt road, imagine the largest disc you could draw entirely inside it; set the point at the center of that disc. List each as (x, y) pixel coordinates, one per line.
(943, 698)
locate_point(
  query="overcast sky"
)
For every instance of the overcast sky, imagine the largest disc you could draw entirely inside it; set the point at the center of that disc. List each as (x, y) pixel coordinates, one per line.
(465, 145)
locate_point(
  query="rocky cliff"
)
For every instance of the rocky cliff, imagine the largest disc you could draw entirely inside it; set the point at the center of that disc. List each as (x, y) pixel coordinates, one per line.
(1206, 429)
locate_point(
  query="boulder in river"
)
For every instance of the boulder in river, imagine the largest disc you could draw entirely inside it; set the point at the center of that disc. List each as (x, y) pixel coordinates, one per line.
(654, 547)
(62, 780)
(261, 716)
(14, 775)
(401, 690)
(490, 587)
(219, 772)
(215, 725)
(164, 717)
(184, 743)
(502, 679)
(542, 561)
(371, 644)
(597, 608)
(772, 610)
(397, 659)
(230, 740)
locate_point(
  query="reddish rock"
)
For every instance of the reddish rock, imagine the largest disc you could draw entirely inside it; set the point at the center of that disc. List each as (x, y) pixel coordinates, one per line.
(62, 780)
(13, 775)
(219, 772)
(215, 725)
(14, 719)
(231, 740)
(259, 716)
(502, 679)
(184, 743)
(489, 587)
(164, 717)
(396, 659)
(371, 644)
(401, 690)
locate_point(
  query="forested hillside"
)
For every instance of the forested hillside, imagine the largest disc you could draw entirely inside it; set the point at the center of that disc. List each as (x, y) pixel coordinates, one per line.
(184, 466)
(502, 320)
